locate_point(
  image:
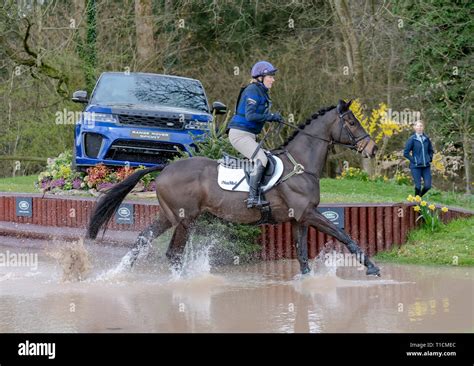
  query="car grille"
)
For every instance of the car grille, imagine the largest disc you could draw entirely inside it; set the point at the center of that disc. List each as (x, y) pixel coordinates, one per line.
(154, 152)
(151, 121)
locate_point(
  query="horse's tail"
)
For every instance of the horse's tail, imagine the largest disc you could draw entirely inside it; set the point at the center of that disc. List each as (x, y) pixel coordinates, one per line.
(108, 203)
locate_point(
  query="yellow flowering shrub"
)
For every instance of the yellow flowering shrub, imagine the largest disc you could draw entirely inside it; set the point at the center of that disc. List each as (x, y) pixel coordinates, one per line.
(378, 126)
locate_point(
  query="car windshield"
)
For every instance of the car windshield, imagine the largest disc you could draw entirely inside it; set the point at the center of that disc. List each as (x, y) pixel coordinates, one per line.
(153, 90)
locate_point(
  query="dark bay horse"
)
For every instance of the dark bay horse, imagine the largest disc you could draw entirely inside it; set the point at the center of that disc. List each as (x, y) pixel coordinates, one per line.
(189, 187)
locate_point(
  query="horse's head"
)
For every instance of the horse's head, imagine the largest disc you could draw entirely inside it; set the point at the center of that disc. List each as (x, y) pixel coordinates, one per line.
(347, 129)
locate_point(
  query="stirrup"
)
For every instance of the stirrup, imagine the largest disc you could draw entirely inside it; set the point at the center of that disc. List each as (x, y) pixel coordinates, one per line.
(262, 204)
(256, 202)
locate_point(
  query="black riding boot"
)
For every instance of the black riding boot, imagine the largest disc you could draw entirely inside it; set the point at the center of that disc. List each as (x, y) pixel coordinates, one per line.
(417, 192)
(423, 191)
(254, 199)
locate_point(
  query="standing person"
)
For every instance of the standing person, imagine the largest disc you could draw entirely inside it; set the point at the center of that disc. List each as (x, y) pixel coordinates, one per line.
(251, 112)
(419, 151)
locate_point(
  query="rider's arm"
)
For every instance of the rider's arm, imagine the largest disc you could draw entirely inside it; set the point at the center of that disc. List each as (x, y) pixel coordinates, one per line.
(251, 115)
(408, 149)
(430, 150)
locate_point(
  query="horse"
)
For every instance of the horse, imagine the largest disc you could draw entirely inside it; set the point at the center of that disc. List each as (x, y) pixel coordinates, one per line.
(189, 187)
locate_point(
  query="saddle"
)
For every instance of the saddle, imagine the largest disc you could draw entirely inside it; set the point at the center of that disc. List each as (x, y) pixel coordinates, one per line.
(233, 173)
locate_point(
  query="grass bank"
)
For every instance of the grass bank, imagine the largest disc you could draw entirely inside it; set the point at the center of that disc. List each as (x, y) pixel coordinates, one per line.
(452, 245)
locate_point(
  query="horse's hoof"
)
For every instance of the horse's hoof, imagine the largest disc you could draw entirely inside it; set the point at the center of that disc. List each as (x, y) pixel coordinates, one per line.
(305, 270)
(373, 271)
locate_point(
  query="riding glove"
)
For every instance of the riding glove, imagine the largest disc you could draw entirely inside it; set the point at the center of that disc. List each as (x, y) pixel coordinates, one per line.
(275, 117)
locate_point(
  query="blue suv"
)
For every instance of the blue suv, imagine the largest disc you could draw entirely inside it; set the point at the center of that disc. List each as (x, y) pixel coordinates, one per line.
(140, 119)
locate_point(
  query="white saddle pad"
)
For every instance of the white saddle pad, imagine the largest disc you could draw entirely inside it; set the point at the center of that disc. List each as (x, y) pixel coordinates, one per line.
(227, 178)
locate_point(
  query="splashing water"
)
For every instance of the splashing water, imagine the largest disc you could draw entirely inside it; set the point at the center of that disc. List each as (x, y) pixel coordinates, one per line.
(323, 278)
(196, 261)
(113, 273)
(197, 257)
(320, 266)
(323, 265)
(126, 263)
(73, 259)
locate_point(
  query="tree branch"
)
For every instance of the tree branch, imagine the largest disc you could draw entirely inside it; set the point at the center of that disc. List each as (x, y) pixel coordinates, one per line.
(34, 61)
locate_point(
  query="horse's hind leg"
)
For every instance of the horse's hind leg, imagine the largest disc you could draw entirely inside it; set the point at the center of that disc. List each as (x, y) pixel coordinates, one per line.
(177, 244)
(144, 240)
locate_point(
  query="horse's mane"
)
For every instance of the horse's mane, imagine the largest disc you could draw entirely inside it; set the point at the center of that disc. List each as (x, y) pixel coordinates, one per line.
(302, 125)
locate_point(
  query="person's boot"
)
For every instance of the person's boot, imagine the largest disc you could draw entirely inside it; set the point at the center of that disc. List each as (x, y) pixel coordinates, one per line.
(255, 199)
(417, 192)
(423, 191)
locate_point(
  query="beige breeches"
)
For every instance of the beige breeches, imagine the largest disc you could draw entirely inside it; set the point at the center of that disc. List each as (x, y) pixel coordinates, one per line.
(245, 143)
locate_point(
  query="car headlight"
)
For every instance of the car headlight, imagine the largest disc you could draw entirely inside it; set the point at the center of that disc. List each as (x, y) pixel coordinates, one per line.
(89, 118)
(197, 125)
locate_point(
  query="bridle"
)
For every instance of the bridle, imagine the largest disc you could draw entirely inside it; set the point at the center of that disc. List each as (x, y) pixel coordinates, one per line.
(299, 168)
(354, 140)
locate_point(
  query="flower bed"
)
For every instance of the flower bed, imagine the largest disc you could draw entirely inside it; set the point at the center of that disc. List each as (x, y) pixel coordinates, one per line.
(59, 177)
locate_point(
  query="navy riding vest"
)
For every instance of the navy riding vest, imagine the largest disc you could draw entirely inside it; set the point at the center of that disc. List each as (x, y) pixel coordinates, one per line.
(252, 108)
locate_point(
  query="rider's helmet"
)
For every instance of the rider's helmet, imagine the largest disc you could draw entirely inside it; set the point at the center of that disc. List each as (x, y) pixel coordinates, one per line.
(263, 68)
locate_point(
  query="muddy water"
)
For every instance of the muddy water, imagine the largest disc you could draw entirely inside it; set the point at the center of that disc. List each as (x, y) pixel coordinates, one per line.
(263, 297)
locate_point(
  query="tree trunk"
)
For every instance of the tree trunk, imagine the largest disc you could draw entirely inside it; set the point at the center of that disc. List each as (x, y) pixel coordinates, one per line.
(468, 144)
(389, 73)
(79, 8)
(144, 32)
(167, 38)
(168, 7)
(343, 14)
(377, 168)
(368, 166)
(354, 57)
(90, 51)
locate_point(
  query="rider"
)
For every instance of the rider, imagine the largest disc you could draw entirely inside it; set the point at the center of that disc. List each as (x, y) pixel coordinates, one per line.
(251, 112)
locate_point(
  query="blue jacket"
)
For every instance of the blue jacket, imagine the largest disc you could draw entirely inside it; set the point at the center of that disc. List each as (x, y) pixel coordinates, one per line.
(421, 154)
(253, 109)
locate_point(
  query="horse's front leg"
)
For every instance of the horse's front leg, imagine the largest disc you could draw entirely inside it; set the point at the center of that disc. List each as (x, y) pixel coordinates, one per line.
(314, 218)
(300, 237)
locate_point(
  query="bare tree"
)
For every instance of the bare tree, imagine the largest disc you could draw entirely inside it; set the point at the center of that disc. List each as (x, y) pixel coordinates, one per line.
(351, 43)
(144, 32)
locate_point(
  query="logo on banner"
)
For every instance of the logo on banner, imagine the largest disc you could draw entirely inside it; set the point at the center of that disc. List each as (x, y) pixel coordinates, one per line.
(124, 214)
